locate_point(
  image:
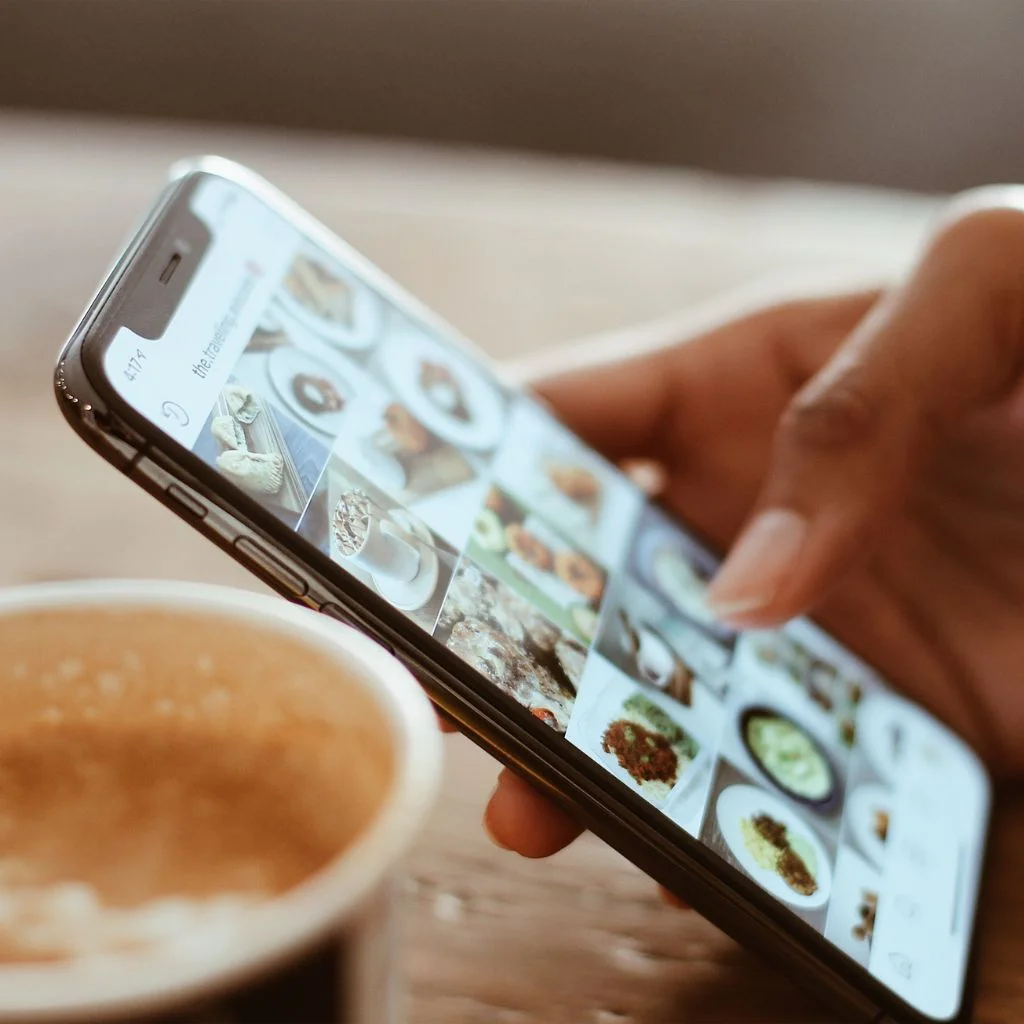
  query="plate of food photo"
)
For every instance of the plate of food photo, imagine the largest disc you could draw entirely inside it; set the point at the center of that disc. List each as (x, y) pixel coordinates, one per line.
(836, 692)
(511, 643)
(775, 846)
(869, 812)
(652, 660)
(671, 567)
(310, 389)
(853, 906)
(269, 334)
(523, 551)
(642, 744)
(790, 757)
(326, 299)
(445, 392)
(573, 486)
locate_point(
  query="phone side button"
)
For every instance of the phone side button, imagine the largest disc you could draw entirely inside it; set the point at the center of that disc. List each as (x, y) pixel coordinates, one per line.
(269, 566)
(186, 502)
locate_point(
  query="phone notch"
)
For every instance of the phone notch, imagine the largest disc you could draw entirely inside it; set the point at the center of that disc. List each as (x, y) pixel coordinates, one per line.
(166, 275)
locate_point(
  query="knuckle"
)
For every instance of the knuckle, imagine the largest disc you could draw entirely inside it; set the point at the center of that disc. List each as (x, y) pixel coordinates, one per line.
(985, 224)
(981, 247)
(834, 420)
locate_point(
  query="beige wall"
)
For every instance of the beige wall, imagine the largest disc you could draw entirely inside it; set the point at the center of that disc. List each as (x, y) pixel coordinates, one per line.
(912, 93)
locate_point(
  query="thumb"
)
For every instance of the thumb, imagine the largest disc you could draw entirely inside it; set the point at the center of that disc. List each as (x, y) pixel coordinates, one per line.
(846, 450)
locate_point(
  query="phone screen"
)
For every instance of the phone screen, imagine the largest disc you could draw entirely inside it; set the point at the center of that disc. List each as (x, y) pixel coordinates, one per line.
(301, 376)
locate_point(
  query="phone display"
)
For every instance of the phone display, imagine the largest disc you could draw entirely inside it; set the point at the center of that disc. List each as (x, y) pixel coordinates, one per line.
(359, 424)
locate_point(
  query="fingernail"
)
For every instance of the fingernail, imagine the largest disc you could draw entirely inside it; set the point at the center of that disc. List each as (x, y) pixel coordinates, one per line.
(758, 564)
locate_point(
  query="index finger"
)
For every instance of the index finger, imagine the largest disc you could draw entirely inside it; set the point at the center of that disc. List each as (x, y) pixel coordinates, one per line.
(634, 395)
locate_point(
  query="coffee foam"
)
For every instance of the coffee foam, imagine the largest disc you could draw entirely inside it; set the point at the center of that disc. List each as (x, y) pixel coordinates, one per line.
(163, 773)
(55, 922)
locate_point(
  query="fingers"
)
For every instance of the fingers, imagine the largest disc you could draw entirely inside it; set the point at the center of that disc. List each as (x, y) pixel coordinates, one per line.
(518, 818)
(620, 407)
(633, 396)
(950, 340)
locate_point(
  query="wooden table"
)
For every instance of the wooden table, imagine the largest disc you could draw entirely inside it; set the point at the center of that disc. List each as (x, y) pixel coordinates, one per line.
(520, 254)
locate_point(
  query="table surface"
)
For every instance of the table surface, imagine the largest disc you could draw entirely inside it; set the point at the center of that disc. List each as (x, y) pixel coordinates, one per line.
(520, 254)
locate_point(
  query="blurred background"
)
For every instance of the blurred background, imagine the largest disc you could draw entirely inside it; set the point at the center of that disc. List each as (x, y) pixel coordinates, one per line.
(922, 94)
(536, 171)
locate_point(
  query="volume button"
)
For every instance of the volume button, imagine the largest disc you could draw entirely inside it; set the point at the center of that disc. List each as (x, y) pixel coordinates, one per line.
(186, 502)
(269, 565)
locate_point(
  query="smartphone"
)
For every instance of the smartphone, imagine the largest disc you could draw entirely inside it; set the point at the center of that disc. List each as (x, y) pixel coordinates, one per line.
(289, 401)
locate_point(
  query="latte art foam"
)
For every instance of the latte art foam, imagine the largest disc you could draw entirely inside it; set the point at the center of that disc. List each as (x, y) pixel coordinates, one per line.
(162, 775)
(69, 919)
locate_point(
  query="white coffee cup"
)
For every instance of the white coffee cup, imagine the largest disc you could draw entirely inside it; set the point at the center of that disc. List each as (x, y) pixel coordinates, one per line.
(388, 550)
(335, 929)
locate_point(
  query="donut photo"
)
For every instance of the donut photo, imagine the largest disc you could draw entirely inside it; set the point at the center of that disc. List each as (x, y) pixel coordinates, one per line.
(316, 387)
(526, 552)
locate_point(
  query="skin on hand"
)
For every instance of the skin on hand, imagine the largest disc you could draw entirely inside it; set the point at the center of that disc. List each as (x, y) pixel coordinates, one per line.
(861, 458)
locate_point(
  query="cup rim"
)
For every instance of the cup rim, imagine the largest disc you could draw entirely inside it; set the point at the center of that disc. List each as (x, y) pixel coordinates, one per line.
(298, 919)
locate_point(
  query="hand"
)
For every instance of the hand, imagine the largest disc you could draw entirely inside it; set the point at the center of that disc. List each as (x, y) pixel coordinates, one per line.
(868, 453)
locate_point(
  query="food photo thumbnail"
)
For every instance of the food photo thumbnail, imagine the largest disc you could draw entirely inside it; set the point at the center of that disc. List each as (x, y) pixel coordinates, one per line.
(510, 642)
(854, 906)
(448, 392)
(802, 659)
(567, 483)
(326, 299)
(771, 842)
(657, 647)
(677, 569)
(379, 542)
(261, 450)
(526, 553)
(659, 748)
